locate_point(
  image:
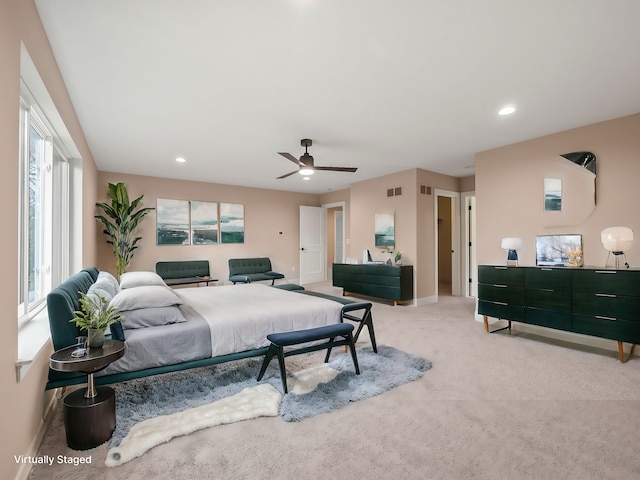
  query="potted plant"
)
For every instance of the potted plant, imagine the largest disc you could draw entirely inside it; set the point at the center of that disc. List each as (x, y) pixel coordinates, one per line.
(123, 220)
(94, 317)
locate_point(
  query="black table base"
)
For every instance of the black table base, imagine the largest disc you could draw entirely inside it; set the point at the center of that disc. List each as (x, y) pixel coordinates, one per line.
(89, 422)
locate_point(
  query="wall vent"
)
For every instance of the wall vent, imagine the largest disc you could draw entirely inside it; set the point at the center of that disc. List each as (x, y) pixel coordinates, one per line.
(394, 192)
(390, 192)
(424, 190)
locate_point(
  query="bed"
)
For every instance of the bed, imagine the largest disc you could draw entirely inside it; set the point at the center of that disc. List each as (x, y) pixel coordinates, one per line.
(168, 329)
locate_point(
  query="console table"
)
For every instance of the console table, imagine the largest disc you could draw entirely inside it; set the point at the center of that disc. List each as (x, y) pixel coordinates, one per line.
(593, 301)
(89, 414)
(389, 282)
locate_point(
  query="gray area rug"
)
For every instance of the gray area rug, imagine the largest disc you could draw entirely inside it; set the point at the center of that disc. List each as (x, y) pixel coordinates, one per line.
(145, 398)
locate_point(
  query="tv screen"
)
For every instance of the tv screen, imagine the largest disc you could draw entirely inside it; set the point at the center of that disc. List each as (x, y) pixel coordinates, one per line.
(559, 250)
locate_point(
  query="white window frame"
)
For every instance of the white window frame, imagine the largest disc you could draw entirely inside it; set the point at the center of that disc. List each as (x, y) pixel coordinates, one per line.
(55, 210)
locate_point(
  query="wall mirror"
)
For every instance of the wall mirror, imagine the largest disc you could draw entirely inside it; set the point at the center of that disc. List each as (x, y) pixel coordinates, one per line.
(570, 194)
(384, 230)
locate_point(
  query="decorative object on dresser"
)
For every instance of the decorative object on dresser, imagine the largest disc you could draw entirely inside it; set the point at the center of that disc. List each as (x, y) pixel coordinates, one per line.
(559, 250)
(617, 240)
(512, 245)
(390, 282)
(599, 302)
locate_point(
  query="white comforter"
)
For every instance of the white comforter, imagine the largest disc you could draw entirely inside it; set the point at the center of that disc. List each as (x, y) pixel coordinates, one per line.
(241, 316)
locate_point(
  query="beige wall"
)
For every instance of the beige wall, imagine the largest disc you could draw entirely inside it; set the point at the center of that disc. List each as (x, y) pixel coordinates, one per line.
(267, 212)
(23, 403)
(414, 215)
(509, 191)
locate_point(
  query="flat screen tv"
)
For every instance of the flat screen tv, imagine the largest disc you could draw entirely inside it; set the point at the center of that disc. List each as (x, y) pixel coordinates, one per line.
(559, 250)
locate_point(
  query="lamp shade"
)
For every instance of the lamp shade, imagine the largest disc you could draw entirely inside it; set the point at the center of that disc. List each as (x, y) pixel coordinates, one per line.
(617, 239)
(512, 243)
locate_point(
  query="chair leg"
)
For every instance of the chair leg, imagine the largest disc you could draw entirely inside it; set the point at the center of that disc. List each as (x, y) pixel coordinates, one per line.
(372, 335)
(267, 359)
(354, 357)
(283, 370)
(326, 357)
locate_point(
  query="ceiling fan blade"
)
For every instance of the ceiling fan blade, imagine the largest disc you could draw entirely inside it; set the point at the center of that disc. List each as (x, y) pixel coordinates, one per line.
(337, 169)
(287, 174)
(288, 156)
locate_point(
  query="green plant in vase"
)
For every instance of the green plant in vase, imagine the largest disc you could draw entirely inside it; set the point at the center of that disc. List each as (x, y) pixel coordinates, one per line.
(95, 316)
(122, 222)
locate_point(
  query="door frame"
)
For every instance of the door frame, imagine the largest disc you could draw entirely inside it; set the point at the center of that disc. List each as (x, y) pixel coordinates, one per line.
(327, 206)
(455, 239)
(469, 260)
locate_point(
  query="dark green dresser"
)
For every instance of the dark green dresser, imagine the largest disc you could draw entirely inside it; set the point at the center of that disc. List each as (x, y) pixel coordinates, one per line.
(600, 302)
(390, 282)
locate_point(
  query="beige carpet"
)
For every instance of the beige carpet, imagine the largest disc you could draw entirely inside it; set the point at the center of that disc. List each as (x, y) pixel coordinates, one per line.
(492, 407)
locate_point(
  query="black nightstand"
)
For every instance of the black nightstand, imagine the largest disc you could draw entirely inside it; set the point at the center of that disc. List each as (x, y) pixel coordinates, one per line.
(89, 414)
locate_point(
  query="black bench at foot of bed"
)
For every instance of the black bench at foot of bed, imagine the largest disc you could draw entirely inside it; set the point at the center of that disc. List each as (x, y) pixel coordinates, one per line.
(298, 337)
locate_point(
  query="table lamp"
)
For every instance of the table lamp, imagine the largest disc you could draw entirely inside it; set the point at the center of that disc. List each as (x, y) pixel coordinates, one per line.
(512, 245)
(617, 240)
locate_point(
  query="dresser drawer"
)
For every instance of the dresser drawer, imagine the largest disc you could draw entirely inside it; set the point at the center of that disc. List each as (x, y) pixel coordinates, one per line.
(549, 299)
(606, 327)
(620, 282)
(501, 293)
(501, 310)
(548, 278)
(548, 318)
(608, 305)
(501, 275)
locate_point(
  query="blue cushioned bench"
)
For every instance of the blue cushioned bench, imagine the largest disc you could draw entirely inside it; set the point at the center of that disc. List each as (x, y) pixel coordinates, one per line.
(247, 270)
(184, 272)
(298, 337)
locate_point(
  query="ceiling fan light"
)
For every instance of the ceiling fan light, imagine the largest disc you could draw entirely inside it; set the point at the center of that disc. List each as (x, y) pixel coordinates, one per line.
(305, 171)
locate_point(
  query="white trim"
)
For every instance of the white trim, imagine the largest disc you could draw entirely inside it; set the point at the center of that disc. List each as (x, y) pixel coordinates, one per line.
(469, 289)
(426, 300)
(25, 468)
(327, 206)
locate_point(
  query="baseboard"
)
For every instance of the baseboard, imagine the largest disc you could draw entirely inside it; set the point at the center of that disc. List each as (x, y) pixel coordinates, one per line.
(25, 468)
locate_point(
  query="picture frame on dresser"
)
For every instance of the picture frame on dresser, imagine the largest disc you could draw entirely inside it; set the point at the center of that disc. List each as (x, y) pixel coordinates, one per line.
(559, 250)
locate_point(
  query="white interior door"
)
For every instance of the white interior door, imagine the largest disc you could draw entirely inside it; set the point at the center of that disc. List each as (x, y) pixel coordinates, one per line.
(312, 244)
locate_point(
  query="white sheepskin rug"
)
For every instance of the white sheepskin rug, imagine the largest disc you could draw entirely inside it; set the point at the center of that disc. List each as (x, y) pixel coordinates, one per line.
(252, 402)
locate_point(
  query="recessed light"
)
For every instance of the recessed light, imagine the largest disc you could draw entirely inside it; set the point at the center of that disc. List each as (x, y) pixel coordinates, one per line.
(508, 110)
(180, 160)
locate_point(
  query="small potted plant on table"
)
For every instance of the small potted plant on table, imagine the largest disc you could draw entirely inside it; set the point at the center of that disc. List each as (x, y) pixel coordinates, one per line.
(94, 317)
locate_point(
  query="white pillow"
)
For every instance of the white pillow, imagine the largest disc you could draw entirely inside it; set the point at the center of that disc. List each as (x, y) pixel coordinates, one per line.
(102, 290)
(140, 279)
(151, 317)
(145, 297)
(105, 277)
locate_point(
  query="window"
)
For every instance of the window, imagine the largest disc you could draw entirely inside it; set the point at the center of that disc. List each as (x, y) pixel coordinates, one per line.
(43, 210)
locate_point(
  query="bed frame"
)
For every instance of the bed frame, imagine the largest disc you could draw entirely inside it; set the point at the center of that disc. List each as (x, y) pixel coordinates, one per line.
(63, 301)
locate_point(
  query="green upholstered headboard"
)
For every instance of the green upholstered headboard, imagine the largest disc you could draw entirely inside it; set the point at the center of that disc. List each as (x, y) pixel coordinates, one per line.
(62, 302)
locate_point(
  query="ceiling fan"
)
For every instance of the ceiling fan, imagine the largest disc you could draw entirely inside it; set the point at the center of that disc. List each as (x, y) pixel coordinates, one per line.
(305, 163)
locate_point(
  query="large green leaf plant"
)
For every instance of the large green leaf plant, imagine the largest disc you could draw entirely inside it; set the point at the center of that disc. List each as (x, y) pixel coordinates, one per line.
(120, 220)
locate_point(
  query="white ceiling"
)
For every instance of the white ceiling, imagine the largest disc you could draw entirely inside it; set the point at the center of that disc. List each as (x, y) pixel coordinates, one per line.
(379, 85)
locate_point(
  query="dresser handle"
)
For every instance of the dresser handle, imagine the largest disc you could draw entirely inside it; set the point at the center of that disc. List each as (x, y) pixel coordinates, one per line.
(500, 268)
(600, 317)
(501, 303)
(609, 295)
(547, 269)
(606, 271)
(499, 286)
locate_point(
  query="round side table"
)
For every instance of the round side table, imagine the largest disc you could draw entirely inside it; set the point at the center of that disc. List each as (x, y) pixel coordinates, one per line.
(89, 414)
